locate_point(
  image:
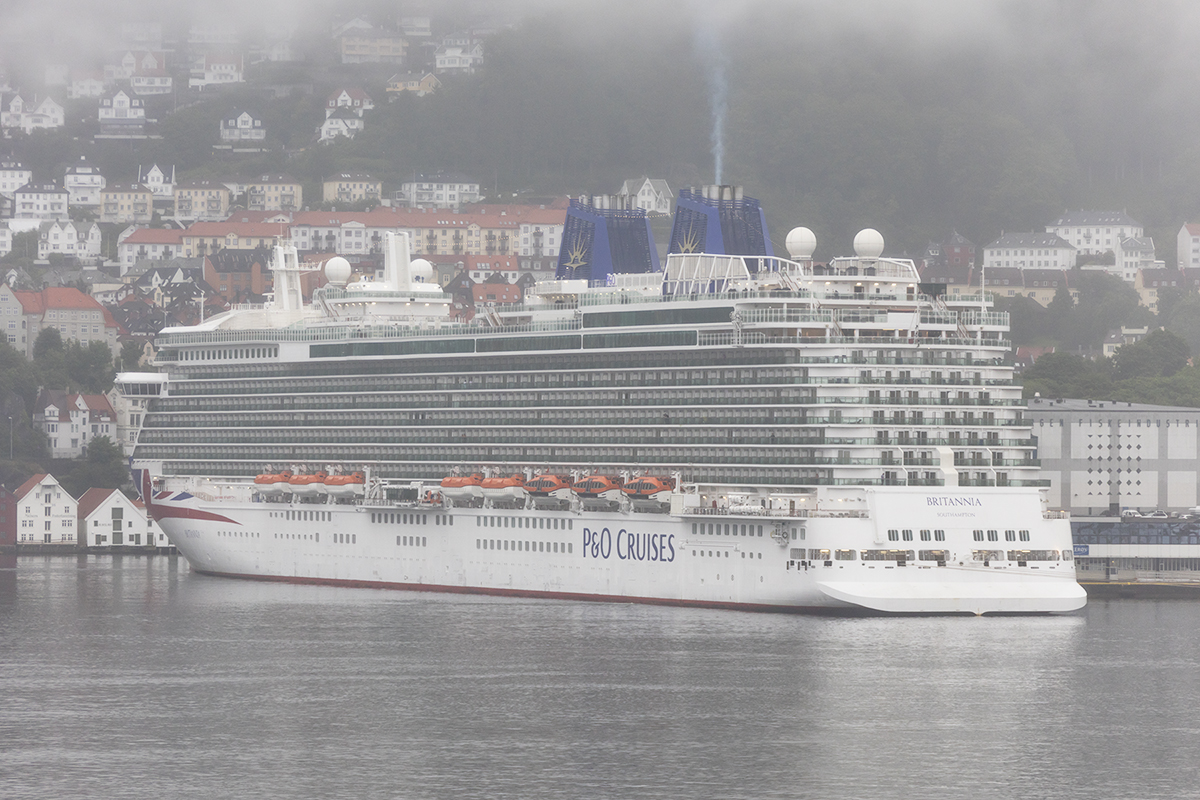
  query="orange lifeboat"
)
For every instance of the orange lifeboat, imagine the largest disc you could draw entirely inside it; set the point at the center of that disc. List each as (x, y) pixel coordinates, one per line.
(458, 487)
(599, 492)
(510, 488)
(649, 493)
(550, 491)
(548, 484)
(309, 485)
(642, 488)
(273, 484)
(352, 485)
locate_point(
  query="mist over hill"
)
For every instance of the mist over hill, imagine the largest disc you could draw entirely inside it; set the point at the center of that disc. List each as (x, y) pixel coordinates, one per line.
(913, 118)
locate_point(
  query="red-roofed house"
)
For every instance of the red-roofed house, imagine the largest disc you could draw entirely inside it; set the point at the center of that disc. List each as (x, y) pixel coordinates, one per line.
(70, 421)
(140, 244)
(203, 238)
(45, 512)
(109, 519)
(487, 231)
(73, 313)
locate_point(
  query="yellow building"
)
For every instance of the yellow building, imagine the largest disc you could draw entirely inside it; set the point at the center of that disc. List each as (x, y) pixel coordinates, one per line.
(126, 202)
(352, 187)
(274, 193)
(372, 46)
(202, 200)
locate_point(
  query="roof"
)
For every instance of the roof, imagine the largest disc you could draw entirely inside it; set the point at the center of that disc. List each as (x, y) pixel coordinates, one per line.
(1082, 217)
(271, 179)
(393, 217)
(33, 481)
(241, 229)
(126, 187)
(91, 500)
(1193, 228)
(1032, 239)
(54, 297)
(41, 188)
(1072, 406)
(351, 176)
(154, 236)
(355, 94)
(201, 183)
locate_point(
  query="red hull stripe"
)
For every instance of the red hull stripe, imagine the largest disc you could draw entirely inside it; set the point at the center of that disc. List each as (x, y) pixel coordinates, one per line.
(599, 598)
(159, 511)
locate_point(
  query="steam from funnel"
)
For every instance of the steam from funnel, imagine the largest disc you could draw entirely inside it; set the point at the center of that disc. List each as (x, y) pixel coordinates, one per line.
(708, 43)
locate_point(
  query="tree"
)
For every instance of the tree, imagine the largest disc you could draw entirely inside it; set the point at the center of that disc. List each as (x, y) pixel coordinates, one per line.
(132, 351)
(104, 468)
(89, 368)
(1159, 355)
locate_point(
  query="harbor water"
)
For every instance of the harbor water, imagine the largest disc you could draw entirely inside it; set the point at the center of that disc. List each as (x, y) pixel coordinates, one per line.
(133, 677)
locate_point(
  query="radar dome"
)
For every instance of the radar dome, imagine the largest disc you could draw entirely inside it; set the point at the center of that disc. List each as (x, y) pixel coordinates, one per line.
(868, 243)
(421, 270)
(800, 243)
(337, 271)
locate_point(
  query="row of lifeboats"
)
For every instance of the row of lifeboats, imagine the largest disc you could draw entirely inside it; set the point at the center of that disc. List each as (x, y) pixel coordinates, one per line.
(314, 484)
(562, 487)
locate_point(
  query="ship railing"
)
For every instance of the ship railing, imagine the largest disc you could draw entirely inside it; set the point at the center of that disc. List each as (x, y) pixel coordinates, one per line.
(798, 513)
(797, 315)
(890, 341)
(337, 333)
(993, 318)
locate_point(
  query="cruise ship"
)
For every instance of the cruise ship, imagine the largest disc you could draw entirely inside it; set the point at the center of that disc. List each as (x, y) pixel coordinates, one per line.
(726, 430)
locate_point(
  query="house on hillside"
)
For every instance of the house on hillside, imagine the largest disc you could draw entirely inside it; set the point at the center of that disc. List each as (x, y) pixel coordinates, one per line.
(341, 122)
(41, 201)
(126, 202)
(46, 512)
(80, 240)
(83, 183)
(419, 83)
(650, 194)
(121, 114)
(355, 100)
(1095, 232)
(70, 421)
(242, 126)
(32, 116)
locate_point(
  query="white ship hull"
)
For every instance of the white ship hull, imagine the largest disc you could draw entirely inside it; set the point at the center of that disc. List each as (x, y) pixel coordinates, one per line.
(653, 558)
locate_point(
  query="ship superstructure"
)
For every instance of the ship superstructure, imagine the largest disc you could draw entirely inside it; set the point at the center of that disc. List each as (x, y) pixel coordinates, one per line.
(829, 433)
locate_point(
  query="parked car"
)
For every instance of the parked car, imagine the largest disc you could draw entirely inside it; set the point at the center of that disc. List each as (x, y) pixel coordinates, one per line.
(1157, 513)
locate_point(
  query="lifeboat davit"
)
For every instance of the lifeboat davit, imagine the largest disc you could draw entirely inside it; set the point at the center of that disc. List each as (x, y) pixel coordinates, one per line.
(599, 492)
(510, 488)
(309, 485)
(458, 487)
(550, 491)
(273, 485)
(649, 493)
(352, 485)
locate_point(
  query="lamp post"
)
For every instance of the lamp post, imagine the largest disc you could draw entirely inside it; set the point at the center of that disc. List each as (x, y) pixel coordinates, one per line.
(10, 429)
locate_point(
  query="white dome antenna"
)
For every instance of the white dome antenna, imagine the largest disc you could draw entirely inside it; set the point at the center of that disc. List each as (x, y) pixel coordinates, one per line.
(868, 243)
(800, 243)
(337, 271)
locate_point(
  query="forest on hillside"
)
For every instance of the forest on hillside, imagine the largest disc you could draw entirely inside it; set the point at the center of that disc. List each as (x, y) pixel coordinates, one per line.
(914, 118)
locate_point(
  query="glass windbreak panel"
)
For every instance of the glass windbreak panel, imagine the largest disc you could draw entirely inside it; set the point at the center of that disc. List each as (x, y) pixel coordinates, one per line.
(818, 555)
(528, 343)
(987, 555)
(932, 555)
(673, 316)
(843, 555)
(349, 349)
(649, 339)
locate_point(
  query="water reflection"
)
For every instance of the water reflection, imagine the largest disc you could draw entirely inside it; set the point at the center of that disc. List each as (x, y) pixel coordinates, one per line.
(134, 672)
